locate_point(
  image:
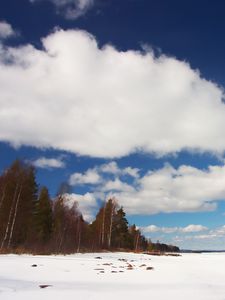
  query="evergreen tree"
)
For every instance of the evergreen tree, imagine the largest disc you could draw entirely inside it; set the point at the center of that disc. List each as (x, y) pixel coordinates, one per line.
(120, 234)
(43, 216)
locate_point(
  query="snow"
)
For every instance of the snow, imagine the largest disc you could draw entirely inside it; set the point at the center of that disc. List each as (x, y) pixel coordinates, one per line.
(81, 277)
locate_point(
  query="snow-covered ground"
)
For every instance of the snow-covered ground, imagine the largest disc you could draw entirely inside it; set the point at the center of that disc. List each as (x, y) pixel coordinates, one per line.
(88, 277)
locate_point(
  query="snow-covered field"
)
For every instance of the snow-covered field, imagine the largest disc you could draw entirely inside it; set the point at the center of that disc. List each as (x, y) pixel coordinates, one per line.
(88, 277)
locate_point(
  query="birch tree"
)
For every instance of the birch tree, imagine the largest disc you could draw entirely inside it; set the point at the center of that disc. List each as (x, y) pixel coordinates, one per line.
(18, 197)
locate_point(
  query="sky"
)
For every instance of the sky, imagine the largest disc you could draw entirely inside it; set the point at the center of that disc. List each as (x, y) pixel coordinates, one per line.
(121, 99)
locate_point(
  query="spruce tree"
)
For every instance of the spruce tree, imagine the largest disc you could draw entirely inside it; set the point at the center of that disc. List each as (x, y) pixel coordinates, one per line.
(43, 216)
(120, 234)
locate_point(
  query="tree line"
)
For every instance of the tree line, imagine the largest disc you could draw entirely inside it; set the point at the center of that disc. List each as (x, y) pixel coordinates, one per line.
(30, 221)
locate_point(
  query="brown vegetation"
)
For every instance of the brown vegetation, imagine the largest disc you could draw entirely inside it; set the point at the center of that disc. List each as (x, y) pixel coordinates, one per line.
(30, 221)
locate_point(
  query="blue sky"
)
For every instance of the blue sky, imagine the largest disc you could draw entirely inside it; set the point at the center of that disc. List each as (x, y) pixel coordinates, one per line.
(124, 99)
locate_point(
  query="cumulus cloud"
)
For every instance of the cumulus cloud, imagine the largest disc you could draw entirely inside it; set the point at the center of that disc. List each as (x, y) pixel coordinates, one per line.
(194, 228)
(103, 102)
(186, 189)
(212, 234)
(70, 9)
(116, 185)
(166, 190)
(193, 236)
(91, 176)
(212, 239)
(113, 168)
(96, 176)
(48, 163)
(133, 172)
(87, 204)
(6, 30)
(188, 229)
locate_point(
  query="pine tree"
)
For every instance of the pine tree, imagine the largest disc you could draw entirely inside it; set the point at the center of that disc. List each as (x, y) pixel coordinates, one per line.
(43, 216)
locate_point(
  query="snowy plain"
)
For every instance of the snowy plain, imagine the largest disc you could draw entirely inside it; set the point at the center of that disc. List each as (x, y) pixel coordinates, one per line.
(112, 276)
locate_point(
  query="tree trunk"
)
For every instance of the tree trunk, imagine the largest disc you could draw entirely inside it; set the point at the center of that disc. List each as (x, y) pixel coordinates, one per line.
(62, 237)
(110, 226)
(2, 197)
(9, 218)
(137, 241)
(78, 235)
(14, 217)
(103, 226)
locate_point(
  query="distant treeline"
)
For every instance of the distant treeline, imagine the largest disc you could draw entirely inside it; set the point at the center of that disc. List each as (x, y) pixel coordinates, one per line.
(30, 221)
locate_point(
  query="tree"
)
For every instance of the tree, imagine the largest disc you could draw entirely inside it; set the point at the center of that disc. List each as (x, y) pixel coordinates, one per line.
(96, 230)
(102, 226)
(43, 216)
(120, 234)
(18, 196)
(110, 214)
(67, 226)
(57, 226)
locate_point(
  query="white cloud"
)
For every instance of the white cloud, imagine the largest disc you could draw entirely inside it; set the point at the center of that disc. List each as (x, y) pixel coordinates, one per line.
(185, 189)
(212, 234)
(91, 176)
(198, 237)
(188, 229)
(150, 229)
(71, 9)
(6, 30)
(133, 172)
(86, 204)
(116, 185)
(113, 168)
(96, 176)
(194, 228)
(45, 163)
(106, 103)
(213, 239)
(166, 190)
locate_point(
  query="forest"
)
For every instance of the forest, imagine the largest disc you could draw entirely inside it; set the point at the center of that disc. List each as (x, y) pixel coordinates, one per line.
(32, 222)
